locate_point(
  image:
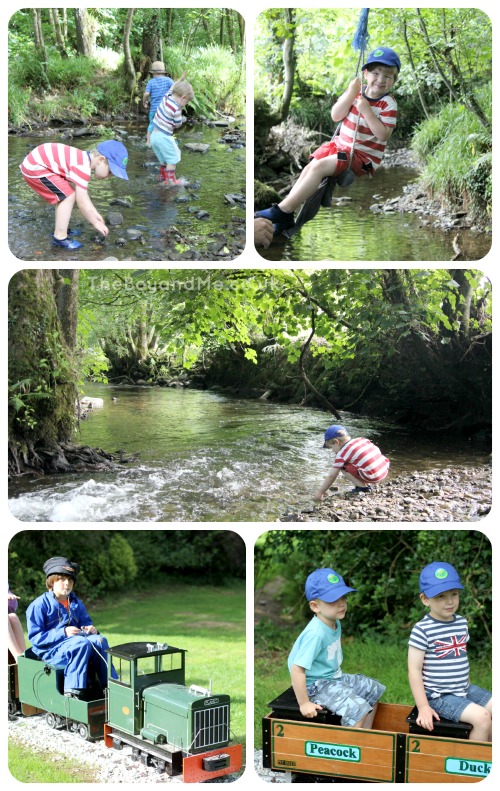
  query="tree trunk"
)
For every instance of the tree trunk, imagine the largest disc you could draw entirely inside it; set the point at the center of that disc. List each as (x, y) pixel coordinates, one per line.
(151, 38)
(40, 52)
(54, 13)
(85, 33)
(129, 64)
(289, 63)
(42, 388)
(241, 26)
(67, 303)
(230, 30)
(170, 20)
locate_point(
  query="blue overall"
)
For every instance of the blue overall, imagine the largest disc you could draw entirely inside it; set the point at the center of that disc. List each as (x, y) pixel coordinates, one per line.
(46, 621)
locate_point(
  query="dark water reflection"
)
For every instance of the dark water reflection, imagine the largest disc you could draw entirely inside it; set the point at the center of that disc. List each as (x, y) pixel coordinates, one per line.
(351, 232)
(154, 208)
(205, 457)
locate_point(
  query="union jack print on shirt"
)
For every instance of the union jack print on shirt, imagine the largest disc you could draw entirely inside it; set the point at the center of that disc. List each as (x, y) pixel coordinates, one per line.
(452, 646)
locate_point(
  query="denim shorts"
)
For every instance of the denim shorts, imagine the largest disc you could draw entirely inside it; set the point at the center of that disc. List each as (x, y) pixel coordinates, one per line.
(351, 696)
(451, 707)
(165, 148)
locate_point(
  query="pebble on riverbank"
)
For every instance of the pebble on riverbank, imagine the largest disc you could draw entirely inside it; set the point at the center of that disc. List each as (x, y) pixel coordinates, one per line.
(452, 494)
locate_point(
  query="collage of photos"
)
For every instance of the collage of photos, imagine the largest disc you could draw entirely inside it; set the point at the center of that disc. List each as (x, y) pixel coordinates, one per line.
(255, 334)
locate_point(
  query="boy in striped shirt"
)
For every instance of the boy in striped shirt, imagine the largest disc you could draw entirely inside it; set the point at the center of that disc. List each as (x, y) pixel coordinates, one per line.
(360, 460)
(60, 174)
(438, 666)
(167, 121)
(368, 116)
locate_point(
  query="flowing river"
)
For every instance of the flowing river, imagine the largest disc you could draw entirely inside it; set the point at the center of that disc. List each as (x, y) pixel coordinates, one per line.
(205, 457)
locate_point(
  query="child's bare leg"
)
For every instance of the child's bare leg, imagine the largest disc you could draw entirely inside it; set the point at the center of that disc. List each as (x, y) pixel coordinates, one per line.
(367, 720)
(480, 719)
(308, 182)
(16, 642)
(63, 215)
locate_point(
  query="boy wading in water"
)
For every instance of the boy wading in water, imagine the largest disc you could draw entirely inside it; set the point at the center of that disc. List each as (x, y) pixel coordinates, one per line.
(52, 168)
(368, 120)
(167, 121)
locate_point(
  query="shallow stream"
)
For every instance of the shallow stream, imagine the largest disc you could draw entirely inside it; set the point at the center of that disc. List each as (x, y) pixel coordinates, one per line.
(154, 208)
(350, 231)
(206, 457)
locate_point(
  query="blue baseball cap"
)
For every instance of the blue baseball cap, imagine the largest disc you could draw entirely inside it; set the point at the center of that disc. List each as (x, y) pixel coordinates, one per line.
(333, 432)
(117, 156)
(439, 577)
(384, 55)
(327, 585)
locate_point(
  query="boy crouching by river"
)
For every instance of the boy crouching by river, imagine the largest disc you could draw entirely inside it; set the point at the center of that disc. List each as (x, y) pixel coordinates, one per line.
(361, 461)
(50, 168)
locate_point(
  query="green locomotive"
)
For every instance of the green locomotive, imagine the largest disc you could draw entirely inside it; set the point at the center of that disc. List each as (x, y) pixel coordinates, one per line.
(174, 728)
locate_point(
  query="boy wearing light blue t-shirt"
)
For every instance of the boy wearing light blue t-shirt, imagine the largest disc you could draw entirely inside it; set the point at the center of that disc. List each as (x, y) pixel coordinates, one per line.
(316, 658)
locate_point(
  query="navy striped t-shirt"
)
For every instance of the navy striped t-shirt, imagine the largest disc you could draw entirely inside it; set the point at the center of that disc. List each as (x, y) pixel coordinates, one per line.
(446, 664)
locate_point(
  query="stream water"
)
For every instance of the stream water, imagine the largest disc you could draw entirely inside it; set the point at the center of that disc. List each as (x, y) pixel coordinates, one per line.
(154, 207)
(205, 457)
(350, 231)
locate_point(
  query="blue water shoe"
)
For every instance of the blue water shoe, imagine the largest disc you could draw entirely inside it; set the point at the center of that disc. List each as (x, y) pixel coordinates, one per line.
(281, 220)
(67, 244)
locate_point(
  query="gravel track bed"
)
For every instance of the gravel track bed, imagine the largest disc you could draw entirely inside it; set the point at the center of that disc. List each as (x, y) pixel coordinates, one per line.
(106, 765)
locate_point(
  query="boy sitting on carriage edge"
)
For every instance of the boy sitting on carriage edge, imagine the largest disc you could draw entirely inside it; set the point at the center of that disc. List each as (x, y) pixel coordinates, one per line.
(316, 658)
(368, 120)
(438, 664)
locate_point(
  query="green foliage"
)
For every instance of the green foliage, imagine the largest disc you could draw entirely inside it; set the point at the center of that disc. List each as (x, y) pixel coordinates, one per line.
(113, 561)
(384, 567)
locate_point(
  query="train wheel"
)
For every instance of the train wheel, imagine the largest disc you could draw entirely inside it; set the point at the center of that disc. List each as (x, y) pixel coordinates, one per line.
(159, 765)
(12, 708)
(117, 743)
(83, 730)
(136, 753)
(145, 759)
(50, 719)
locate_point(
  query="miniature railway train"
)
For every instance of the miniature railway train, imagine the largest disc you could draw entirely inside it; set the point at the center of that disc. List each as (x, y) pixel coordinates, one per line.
(176, 729)
(396, 750)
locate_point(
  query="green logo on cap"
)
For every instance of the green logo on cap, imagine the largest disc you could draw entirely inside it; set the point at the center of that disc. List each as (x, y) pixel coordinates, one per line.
(125, 162)
(333, 578)
(441, 574)
(377, 53)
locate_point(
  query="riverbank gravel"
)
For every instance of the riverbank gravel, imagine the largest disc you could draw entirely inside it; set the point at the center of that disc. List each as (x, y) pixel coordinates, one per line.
(105, 765)
(452, 494)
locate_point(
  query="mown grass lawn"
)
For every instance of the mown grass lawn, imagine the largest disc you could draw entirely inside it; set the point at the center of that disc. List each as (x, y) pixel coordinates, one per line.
(207, 621)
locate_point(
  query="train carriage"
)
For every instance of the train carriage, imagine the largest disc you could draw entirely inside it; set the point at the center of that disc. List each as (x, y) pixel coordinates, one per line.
(395, 750)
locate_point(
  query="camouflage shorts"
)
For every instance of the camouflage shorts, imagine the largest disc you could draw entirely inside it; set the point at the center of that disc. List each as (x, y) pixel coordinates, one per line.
(351, 696)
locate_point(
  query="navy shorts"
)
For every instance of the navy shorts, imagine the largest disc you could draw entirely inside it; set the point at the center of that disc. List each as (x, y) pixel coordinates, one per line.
(451, 707)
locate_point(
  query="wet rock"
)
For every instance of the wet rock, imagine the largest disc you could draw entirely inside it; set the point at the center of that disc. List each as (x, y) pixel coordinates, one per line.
(126, 202)
(202, 215)
(201, 148)
(114, 218)
(87, 130)
(133, 234)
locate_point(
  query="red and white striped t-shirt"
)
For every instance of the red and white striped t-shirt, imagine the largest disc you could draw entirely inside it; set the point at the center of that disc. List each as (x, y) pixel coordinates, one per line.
(48, 159)
(168, 116)
(370, 147)
(369, 462)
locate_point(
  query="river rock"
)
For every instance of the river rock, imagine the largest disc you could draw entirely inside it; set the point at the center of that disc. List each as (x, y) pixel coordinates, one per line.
(133, 234)
(202, 215)
(451, 494)
(126, 202)
(201, 148)
(114, 218)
